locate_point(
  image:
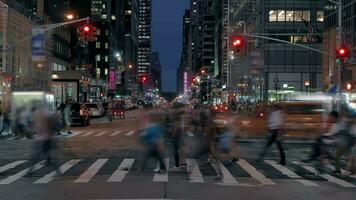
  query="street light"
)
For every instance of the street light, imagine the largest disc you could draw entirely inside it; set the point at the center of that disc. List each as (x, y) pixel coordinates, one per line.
(70, 16)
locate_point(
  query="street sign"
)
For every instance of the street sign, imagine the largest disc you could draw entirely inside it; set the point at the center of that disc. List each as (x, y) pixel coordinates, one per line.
(38, 44)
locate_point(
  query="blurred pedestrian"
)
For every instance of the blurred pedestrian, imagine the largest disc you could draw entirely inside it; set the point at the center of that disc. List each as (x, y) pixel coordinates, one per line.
(275, 124)
(225, 145)
(176, 137)
(45, 123)
(150, 137)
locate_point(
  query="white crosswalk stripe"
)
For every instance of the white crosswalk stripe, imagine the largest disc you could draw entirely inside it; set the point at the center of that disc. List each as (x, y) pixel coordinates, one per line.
(62, 169)
(291, 174)
(344, 172)
(11, 165)
(162, 177)
(87, 134)
(129, 133)
(227, 177)
(116, 133)
(91, 171)
(122, 170)
(327, 176)
(100, 134)
(190, 134)
(254, 173)
(20, 174)
(195, 176)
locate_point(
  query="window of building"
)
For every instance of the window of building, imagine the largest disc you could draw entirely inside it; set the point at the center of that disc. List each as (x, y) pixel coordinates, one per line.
(298, 15)
(97, 45)
(106, 45)
(281, 15)
(98, 31)
(113, 17)
(289, 15)
(104, 16)
(106, 59)
(306, 15)
(320, 16)
(106, 32)
(272, 15)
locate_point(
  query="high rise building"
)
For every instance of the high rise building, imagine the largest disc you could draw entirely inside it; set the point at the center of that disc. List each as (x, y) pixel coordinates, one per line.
(156, 71)
(144, 37)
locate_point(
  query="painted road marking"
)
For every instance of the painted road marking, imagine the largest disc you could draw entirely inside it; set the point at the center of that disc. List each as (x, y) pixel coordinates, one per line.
(87, 134)
(11, 165)
(100, 134)
(344, 172)
(91, 171)
(162, 177)
(227, 177)
(129, 133)
(195, 176)
(116, 133)
(122, 170)
(254, 173)
(327, 176)
(190, 134)
(20, 174)
(291, 174)
(62, 169)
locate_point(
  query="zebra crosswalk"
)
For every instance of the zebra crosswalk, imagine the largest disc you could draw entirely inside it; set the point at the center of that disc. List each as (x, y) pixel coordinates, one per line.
(114, 170)
(97, 134)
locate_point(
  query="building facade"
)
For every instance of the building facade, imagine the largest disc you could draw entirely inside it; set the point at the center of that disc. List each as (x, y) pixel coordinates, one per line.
(269, 69)
(144, 37)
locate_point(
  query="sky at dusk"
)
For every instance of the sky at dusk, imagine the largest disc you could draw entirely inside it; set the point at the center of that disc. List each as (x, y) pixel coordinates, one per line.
(167, 22)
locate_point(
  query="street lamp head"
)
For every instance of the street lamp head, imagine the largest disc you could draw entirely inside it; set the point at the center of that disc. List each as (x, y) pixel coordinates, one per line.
(70, 16)
(130, 66)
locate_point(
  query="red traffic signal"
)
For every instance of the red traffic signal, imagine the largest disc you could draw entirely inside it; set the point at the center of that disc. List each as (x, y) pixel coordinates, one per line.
(86, 28)
(144, 79)
(342, 53)
(87, 32)
(237, 42)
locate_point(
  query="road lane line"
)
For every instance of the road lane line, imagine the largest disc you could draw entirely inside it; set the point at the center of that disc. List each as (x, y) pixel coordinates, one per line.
(11, 138)
(195, 176)
(162, 177)
(100, 134)
(65, 167)
(87, 134)
(91, 171)
(344, 172)
(11, 165)
(74, 133)
(291, 174)
(122, 170)
(116, 133)
(254, 173)
(227, 177)
(129, 133)
(20, 174)
(328, 177)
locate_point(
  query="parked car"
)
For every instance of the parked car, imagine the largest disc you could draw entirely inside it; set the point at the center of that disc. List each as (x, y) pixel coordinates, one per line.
(95, 109)
(219, 108)
(80, 114)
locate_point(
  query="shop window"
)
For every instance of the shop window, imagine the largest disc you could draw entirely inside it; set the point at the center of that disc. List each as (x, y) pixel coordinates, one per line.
(272, 15)
(281, 15)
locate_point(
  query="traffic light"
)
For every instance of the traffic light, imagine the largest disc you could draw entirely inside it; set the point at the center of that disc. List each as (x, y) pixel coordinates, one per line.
(237, 42)
(342, 54)
(87, 32)
(143, 79)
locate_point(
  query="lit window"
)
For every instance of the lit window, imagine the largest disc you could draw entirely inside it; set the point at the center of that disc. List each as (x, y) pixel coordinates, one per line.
(113, 17)
(97, 45)
(128, 12)
(298, 16)
(306, 15)
(320, 16)
(104, 16)
(106, 59)
(106, 45)
(272, 15)
(106, 71)
(97, 31)
(298, 39)
(289, 15)
(281, 15)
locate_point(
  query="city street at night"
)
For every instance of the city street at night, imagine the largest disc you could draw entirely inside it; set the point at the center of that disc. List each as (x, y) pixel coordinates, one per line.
(177, 99)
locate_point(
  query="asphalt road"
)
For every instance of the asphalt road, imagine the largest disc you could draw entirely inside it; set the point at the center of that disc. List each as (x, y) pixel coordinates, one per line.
(100, 161)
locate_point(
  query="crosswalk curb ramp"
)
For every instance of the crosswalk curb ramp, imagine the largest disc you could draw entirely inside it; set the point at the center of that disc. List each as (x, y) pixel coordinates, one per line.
(14, 171)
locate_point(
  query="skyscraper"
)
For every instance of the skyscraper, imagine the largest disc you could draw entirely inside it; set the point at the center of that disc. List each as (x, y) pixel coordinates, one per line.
(144, 37)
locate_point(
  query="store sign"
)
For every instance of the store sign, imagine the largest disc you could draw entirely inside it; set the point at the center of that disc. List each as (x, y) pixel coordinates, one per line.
(112, 80)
